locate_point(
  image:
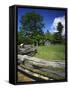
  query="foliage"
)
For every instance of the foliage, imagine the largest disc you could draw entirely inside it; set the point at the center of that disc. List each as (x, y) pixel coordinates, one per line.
(31, 31)
(49, 36)
(58, 36)
(59, 27)
(32, 24)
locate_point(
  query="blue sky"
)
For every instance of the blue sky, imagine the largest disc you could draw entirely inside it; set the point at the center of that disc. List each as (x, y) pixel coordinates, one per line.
(48, 16)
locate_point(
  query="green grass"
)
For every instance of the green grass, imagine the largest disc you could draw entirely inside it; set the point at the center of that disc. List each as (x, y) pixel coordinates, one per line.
(52, 52)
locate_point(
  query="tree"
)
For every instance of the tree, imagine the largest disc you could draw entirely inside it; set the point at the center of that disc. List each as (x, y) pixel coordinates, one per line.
(60, 28)
(32, 24)
(21, 36)
(58, 35)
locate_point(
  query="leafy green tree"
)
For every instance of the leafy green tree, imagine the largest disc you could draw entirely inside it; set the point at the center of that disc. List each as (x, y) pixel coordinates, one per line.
(32, 24)
(59, 28)
(58, 36)
(21, 36)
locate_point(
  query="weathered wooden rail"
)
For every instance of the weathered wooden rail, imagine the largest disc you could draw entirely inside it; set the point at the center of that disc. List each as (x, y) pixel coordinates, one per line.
(41, 69)
(27, 50)
(32, 75)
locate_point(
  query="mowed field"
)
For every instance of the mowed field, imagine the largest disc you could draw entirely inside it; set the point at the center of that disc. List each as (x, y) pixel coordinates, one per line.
(51, 52)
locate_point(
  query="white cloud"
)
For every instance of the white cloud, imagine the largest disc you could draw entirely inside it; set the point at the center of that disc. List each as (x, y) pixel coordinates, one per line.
(54, 25)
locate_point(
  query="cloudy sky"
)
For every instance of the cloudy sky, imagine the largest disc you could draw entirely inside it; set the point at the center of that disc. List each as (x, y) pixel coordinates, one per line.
(50, 18)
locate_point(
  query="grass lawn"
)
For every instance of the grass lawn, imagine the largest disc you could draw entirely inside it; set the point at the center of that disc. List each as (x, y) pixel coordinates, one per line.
(51, 52)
